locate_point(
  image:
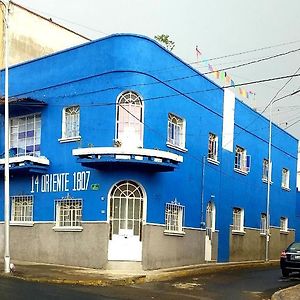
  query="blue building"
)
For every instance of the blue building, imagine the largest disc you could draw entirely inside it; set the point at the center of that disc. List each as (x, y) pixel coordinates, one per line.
(120, 151)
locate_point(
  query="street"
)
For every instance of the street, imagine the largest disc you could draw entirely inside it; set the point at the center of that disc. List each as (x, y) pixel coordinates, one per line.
(232, 284)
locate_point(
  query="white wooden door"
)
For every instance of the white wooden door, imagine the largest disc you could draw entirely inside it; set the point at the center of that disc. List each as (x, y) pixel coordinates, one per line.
(126, 214)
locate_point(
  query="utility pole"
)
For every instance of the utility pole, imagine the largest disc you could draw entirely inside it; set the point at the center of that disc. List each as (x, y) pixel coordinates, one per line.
(6, 148)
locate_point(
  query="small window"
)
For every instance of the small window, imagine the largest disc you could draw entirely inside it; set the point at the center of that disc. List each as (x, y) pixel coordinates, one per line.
(263, 223)
(238, 219)
(265, 170)
(174, 214)
(213, 147)
(21, 209)
(241, 160)
(284, 224)
(70, 127)
(176, 131)
(68, 213)
(285, 181)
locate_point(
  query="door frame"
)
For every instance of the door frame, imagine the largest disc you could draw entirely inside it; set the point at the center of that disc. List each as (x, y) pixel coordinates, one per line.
(144, 207)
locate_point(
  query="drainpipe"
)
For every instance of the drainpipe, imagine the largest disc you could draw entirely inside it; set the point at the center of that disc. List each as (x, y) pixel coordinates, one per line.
(202, 193)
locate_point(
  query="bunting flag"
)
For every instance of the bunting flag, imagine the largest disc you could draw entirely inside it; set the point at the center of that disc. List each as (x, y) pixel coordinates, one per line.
(198, 53)
(223, 77)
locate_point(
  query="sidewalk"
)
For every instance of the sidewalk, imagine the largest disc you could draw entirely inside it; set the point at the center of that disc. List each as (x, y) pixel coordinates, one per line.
(48, 273)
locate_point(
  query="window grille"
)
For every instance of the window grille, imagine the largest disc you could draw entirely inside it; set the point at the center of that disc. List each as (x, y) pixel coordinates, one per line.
(25, 135)
(176, 131)
(68, 212)
(285, 178)
(130, 119)
(71, 121)
(284, 224)
(174, 214)
(241, 161)
(213, 147)
(238, 219)
(22, 208)
(265, 170)
(263, 223)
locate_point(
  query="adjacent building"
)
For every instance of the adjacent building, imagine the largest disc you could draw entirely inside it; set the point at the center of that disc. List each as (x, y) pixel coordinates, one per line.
(120, 151)
(32, 35)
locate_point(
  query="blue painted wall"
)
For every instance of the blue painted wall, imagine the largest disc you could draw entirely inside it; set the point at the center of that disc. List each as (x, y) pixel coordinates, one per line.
(93, 75)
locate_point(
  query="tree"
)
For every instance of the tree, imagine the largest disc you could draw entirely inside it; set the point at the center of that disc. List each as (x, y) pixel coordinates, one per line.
(165, 41)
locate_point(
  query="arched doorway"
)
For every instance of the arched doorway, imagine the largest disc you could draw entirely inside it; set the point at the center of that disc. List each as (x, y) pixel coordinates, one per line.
(210, 228)
(126, 211)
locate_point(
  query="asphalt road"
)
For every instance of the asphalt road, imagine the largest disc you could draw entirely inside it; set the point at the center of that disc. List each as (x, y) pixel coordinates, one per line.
(233, 285)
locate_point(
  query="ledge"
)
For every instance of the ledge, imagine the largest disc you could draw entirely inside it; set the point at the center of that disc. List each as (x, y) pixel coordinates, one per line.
(286, 188)
(23, 224)
(237, 232)
(67, 228)
(69, 139)
(241, 171)
(213, 161)
(174, 233)
(182, 149)
(125, 157)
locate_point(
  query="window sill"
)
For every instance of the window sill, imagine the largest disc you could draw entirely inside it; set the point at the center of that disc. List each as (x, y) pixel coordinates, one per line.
(241, 171)
(67, 228)
(174, 233)
(213, 161)
(182, 149)
(286, 188)
(265, 180)
(24, 224)
(69, 139)
(284, 232)
(238, 232)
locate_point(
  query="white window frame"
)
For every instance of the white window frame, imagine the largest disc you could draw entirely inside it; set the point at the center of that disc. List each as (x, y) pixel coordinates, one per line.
(176, 132)
(263, 223)
(25, 133)
(70, 124)
(265, 170)
(283, 224)
(242, 161)
(238, 220)
(285, 179)
(68, 214)
(174, 218)
(22, 210)
(129, 120)
(212, 154)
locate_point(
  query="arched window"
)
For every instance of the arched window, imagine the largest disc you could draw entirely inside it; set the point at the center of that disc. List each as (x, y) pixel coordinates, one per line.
(130, 125)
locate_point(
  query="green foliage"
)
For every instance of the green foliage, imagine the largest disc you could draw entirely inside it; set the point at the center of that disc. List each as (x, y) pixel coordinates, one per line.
(164, 39)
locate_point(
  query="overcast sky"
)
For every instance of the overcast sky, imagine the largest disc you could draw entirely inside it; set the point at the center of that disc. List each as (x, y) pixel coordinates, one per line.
(218, 27)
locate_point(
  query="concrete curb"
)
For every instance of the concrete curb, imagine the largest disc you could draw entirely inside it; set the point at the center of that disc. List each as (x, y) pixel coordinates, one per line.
(149, 276)
(291, 293)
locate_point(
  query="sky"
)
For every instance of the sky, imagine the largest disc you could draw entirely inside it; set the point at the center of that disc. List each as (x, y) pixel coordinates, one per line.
(219, 28)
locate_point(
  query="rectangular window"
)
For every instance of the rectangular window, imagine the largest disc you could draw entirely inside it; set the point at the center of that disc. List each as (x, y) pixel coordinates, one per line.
(263, 223)
(238, 219)
(71, 116)
(213, 147)
(285, 181)
(22, 209)
(68, 212)
(284, 224)
(174, 214)
(241, 160)
(176, 131)
(25, 135)
(265, 170)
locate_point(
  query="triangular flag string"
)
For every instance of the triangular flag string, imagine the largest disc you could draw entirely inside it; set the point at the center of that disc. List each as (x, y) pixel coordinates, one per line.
(223, 76)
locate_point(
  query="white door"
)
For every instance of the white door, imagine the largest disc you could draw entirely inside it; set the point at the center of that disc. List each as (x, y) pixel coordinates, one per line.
(210, 228)
(126, 215)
